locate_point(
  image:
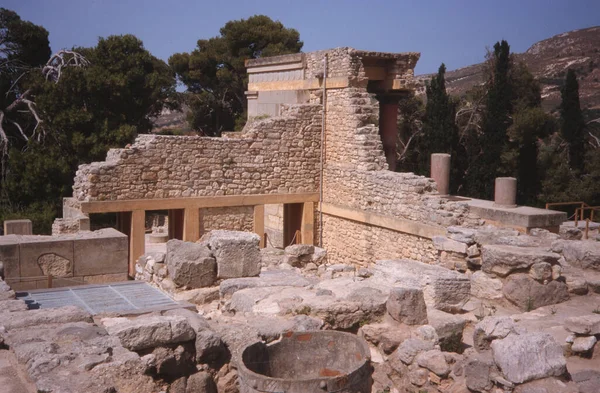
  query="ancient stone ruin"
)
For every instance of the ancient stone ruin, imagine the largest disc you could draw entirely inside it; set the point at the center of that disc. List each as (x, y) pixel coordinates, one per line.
(299, 261)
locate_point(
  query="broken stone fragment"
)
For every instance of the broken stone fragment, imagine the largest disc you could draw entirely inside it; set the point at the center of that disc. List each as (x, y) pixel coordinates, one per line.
(583, 344)
(582, 254)
(541, 271)
(442, 243)
(528, 294)
(434, 361)
(529, 356)
(410, 348)
(407, 305)
(490, 329)
(484, 286)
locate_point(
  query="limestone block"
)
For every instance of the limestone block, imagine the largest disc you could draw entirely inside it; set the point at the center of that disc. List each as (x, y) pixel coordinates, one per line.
(529, 356)
(570, 233)
(149, 331)
(407, 305)
(272, 278)
(502, 259)
(32, 248)
(477, 373)
(105, 251)
(18, 227)
(25, 319)
(443, 289)
(449, 327)
(410, 348)
(528, 294)
(490, 329)
(586, 324)
(484, 286)
(9, 256)
(442, 243)
(190, 264)
(435, 361)
(582, 254)
(541, 271)
(583, 344)
(237, 253)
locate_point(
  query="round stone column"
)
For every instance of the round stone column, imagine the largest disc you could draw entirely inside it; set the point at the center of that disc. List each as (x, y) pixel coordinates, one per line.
(505, 192)
(440, 172)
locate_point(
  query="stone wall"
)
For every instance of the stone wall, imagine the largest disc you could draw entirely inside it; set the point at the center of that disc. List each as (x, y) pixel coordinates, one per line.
(85, 257)
(349, 241)
(235, 218)
(276, 155)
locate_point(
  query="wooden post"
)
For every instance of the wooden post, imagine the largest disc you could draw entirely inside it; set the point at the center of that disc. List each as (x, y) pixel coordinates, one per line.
(587, 228)
(259, 223)
(49, 280)
(191, 224)
(307, 234)
(137, 238)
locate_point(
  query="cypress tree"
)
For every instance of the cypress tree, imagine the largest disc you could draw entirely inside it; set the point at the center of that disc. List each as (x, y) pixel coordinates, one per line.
(485, 167)
(572, 123)
(440, 133)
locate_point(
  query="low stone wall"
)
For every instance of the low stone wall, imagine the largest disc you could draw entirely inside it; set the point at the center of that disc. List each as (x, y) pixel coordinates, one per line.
(349, 241)
(85, 257)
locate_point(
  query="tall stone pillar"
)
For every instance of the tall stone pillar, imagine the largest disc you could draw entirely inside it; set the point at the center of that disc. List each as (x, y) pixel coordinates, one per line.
(440, 172)
(388, 128)
(505, 192)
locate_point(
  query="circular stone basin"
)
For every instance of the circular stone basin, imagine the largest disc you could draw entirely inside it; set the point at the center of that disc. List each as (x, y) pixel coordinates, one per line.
(306, 362)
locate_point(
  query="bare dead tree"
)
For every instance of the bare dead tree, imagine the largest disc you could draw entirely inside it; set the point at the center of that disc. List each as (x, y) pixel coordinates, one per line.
(52, 71)
(595, 141)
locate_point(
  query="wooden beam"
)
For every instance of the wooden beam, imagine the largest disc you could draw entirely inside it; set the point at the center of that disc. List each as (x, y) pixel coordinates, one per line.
(259, 223)
(195, 202)
(394, 223)
(137, 238)
(191, 224)
(307, 234)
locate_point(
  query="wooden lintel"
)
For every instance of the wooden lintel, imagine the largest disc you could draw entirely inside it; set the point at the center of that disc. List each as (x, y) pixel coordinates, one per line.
(195, 202)
(394, 223)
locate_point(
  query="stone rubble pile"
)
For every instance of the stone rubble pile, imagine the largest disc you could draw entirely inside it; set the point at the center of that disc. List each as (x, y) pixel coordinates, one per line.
(530, 271)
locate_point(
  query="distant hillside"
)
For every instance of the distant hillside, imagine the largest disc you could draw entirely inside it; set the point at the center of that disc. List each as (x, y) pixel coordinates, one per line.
(548, 60)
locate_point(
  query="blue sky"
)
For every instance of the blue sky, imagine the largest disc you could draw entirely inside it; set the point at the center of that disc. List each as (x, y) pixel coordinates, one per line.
(456, 32)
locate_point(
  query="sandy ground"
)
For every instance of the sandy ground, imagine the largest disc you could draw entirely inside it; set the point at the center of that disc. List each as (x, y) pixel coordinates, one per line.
(12, 378)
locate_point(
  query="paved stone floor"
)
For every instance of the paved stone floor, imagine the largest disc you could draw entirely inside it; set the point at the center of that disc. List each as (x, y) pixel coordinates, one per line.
(12, 379)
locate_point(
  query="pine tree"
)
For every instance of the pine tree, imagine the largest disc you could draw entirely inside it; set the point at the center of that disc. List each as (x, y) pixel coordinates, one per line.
(572, 123)
(485, 167)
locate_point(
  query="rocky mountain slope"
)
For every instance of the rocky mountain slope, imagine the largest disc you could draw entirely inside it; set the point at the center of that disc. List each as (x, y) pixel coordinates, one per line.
(548, 60)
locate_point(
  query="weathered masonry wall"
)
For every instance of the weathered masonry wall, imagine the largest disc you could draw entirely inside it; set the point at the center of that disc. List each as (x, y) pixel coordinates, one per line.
(85, 257)
(236, 218)
(275, 155)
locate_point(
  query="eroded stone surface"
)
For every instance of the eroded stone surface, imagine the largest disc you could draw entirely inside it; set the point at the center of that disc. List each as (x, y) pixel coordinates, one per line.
(529, 356)
(149, 331)
(503, 260)
(407, 305)
(190, 264)
(528, 294)
(55, 265)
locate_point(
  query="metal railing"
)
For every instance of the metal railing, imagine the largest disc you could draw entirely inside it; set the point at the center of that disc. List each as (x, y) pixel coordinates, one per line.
(579, 214)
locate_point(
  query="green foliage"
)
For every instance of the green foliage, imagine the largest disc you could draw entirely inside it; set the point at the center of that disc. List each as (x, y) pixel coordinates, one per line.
(484, 168)
(23, 46)
(410, 124)
(87, 112)
(572, 123)
(215, 72)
